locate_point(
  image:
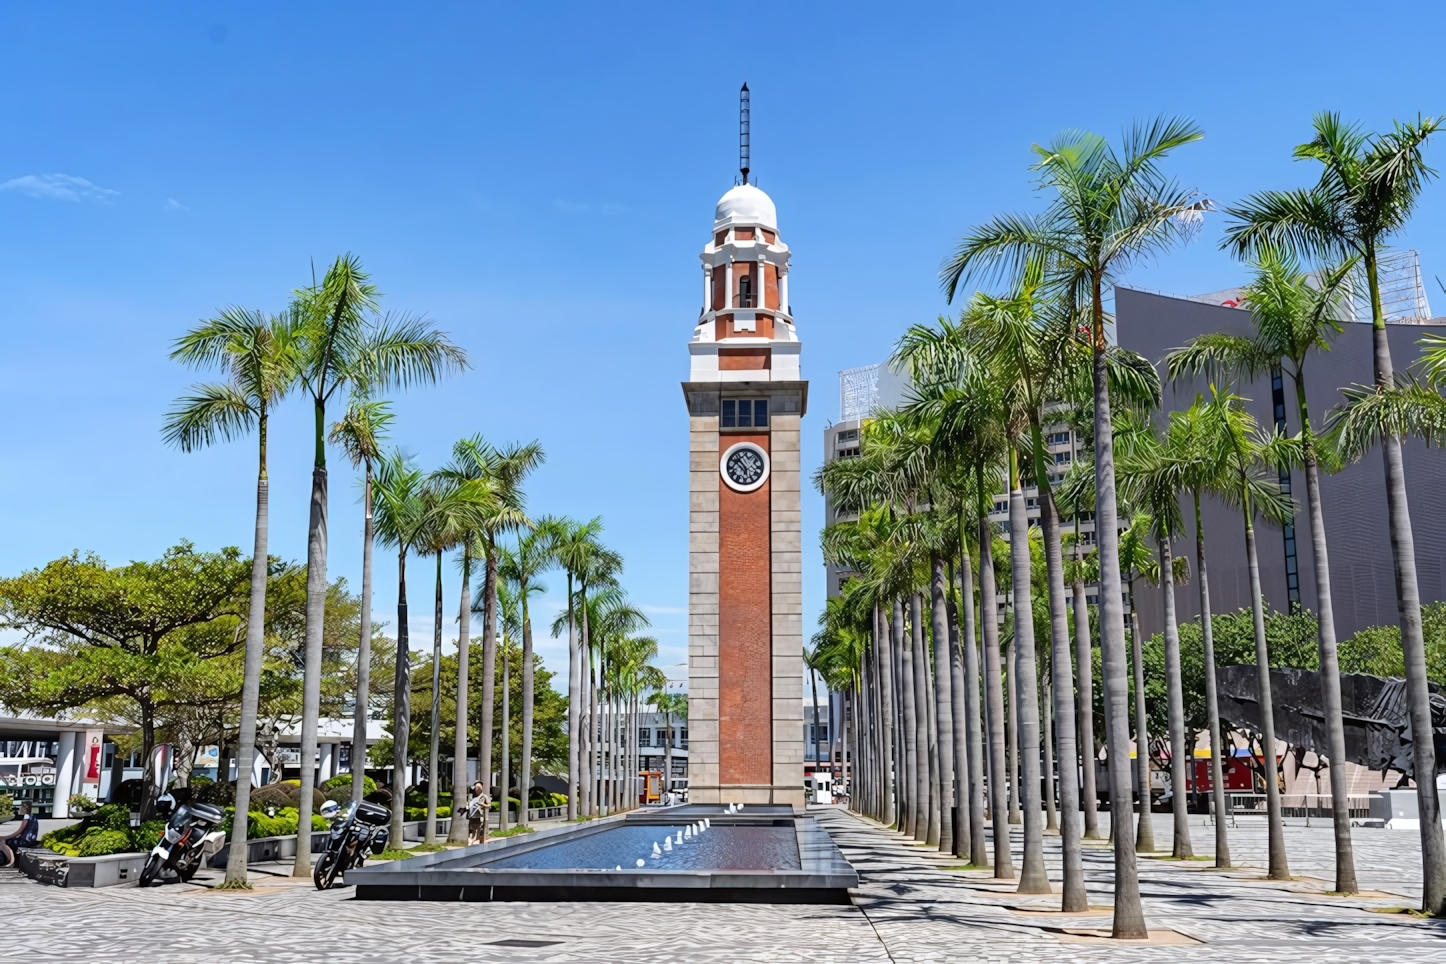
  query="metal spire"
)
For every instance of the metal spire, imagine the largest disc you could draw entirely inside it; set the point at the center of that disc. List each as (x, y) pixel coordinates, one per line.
(743, 158)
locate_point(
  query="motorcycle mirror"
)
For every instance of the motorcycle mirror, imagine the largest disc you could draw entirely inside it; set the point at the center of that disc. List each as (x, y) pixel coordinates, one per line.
(330, 809)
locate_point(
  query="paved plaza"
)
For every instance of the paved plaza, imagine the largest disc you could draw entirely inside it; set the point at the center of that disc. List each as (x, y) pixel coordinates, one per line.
(909, 907)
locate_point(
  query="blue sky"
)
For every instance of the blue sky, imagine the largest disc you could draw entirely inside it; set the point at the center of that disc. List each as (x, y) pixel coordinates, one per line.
(539, 179)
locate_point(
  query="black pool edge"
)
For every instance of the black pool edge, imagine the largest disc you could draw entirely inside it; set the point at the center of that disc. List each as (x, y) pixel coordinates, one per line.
(609, 894)
(825, 876)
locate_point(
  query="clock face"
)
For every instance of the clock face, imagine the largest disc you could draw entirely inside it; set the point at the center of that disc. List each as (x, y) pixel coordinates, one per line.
(745, 467)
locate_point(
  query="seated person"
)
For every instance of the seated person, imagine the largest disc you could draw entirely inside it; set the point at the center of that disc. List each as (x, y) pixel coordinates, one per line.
(28, 835)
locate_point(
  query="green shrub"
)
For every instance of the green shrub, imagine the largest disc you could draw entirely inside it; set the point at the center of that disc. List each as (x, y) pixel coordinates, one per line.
(286, 794)
(7, 807)
(99, 843)
(112, 816)
(147, 835)
(420, 813)
(344, 780)
(513, 802)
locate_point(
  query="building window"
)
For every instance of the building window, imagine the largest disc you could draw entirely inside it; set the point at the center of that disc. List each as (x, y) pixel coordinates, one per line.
(683, 738)
(645, 736)
(1001, 507)
(1062, 458)
(847, 435)
(745, 413)
(745, 292)
(850, 453)
(1059, 438)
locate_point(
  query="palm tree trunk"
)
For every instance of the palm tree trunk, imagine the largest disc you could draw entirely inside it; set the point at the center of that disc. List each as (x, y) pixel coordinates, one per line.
(251, 675)
(928, 743)
(959, 718)
(974, 748)
(994, 694)
(401, 703)
(505, 783)
(1212, 704)
(1279, 868)
(667, 750)
(587, 712)
(1085, 732)
(1413, 643)
(524, 771)
(1011, 730)
(1074, 898)
(434, 749)
(574, 717)
(1129, 917)
(457, 830)
(1179, 797)
(593, 736)
(1046, 729)
(888, 815)
(364, 651)
(315, 624)
(1330, 670)
(1145, 832)
(915, 783)
(817, 741)
(944, 711)
(1032, 878)
(489, 666)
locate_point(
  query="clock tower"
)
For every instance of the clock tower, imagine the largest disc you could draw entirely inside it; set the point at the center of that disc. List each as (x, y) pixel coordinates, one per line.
(745, 399)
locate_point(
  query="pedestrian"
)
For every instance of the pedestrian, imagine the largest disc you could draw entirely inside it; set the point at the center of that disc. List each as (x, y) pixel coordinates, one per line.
(27, 836)
(479, 807)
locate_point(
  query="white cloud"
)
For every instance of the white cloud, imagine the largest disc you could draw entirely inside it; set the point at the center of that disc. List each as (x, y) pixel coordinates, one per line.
(58, 187)
(173, 205)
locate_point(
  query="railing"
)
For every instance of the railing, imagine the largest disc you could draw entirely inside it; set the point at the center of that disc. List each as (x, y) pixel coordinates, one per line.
(1296, 805)
(744, 300)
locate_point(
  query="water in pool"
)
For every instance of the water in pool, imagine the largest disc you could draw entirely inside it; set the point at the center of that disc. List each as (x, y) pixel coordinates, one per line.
(717, 848)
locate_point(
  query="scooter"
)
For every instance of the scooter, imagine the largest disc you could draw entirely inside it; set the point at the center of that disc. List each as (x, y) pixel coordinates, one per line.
(355, 830)
(189, 828)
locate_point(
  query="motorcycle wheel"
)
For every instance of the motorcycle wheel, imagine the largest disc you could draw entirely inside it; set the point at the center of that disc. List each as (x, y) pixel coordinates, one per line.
(326, 869)
(188, 866)
(151, 870)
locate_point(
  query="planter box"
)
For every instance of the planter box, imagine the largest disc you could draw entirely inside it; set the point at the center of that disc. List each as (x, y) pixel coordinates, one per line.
(269, 848)
(61, 871)
(417, 829)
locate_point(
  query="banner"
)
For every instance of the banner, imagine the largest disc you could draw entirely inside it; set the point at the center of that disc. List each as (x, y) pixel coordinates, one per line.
(93, 762)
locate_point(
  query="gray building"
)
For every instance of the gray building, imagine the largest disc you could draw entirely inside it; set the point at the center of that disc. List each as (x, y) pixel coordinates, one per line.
(1353, 501)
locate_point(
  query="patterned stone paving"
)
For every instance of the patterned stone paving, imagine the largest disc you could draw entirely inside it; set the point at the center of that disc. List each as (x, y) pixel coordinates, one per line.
(909, 908)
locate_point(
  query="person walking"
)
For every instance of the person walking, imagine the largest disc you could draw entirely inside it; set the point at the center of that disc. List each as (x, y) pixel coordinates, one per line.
(479, 807)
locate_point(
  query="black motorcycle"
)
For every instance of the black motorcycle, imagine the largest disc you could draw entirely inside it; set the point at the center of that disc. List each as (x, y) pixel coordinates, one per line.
(188, 828)
(356, 830)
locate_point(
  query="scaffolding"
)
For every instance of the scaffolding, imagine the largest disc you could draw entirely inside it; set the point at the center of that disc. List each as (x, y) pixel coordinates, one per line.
(858, 392)
(1403, 296)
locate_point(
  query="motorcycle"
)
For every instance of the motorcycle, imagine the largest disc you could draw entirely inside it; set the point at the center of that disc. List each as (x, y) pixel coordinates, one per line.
(356, 829)
(189, 828)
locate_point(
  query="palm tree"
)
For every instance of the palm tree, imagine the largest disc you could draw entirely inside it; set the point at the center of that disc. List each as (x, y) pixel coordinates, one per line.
(670, 705)
(360, 433)
(401, 520)
(342, 344)
(574, 545)
(1368, 188)
(1137, 563)
(812, 662)
(521, 566)
(1154, 476)
(473, 459)
(1110, 210)
(258, 355)
(1246, 451)
(1294, 315)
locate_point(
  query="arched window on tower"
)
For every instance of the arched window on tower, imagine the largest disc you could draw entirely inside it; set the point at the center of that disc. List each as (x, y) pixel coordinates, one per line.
(745, 291)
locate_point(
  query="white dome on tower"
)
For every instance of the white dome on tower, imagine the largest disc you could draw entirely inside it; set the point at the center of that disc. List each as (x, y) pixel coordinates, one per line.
(745, 204)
